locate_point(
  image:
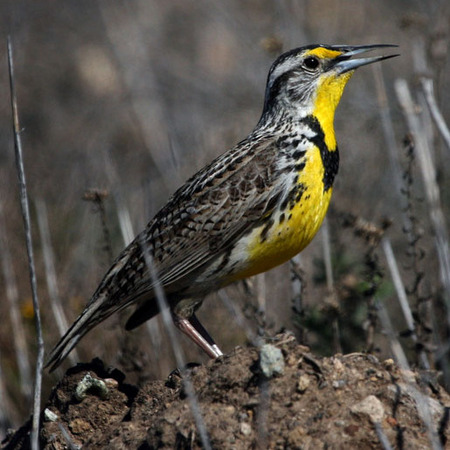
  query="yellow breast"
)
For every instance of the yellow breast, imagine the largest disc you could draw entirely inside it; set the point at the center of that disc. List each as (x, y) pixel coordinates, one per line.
(292, 229)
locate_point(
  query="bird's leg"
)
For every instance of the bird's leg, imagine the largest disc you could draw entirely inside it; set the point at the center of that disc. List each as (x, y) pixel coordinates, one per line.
(196, 332)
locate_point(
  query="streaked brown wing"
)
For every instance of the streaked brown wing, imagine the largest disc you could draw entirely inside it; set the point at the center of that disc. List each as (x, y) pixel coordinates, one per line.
(203, 219)
(218, 217)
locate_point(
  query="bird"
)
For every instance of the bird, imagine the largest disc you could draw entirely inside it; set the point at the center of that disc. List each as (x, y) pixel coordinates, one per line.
(252, 208)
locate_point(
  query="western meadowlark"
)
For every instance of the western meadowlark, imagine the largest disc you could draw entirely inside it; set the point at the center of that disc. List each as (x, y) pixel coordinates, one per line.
(251, 209)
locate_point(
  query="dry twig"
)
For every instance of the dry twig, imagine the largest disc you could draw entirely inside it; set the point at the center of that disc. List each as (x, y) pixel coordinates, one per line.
(27, 224)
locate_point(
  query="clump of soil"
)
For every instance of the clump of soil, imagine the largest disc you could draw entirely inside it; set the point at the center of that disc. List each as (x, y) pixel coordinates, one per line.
(346, 401)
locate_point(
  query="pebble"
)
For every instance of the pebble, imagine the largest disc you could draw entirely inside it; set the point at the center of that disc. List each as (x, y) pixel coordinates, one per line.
(50, 416)
(271, 360)
(246, 429)
(370, 407)
(338, 366)
(89, 382)
(303, 383)
(338, 384)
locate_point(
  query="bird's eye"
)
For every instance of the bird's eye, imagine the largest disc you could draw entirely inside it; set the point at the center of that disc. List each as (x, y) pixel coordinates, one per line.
(311, 63)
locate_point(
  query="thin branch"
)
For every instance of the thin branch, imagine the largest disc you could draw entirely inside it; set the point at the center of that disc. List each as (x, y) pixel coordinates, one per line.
(126, 228)
(176, 347)
(27, 225)
(428, 90)
(332, 296)
(384, 441)
(327, 255)
(97, 197)
(402, 297)
(298, 291)
(261, 299)
(68, 439)
(12, 295)
(262, 416)
(421, 400)
(396, 278)
(5, 411)
(50, 272)
(432, 193)
(388, 131)
(239, 318)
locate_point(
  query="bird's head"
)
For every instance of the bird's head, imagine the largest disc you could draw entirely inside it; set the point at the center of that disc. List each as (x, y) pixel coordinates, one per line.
(311, 79)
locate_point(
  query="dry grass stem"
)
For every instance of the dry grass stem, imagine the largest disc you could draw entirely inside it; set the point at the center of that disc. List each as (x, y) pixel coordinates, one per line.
(402, 297)
(50, 274)
(29, 244)
(441, 125)
(431, 187)
(177, 350)
(12, 295)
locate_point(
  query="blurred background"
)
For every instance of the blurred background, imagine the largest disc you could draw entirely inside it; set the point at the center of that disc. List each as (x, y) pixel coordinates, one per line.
(120, 102)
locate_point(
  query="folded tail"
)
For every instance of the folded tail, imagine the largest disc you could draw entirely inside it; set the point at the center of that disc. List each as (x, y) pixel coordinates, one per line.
(96, 311)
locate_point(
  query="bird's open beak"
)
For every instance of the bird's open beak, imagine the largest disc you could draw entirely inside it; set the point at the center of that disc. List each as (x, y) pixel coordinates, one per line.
(343, 63)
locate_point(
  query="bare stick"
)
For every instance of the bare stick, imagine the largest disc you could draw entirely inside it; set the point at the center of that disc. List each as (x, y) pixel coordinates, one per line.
(29, 244)
(428, 90)
(50, 272)
(126, 228)
(422, 405)
(327, 255)
(332, 298)
(298, 291)
(382, 436)
(98, 196)
(432, 193)
(176, 347)
(260, 282)
(262, 415)
(5, 411)
(239, 318)
(389, 135)
(402, 297)
(12, 295)
(70, 444)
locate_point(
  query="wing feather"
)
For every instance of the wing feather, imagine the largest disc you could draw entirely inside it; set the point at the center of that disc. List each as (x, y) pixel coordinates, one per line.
(199, 223)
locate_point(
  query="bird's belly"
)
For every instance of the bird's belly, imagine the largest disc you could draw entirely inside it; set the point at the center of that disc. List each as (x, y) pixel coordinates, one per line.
(291, 231)
(283, 234)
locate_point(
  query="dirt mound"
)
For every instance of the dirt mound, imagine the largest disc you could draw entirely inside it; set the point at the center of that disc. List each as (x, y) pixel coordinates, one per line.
(302, 401)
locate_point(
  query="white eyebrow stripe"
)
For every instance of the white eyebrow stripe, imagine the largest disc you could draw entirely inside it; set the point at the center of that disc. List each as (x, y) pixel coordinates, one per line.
(284, 67)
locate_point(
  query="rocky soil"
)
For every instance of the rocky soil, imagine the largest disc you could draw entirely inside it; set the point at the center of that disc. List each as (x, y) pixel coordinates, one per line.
(293, 400)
